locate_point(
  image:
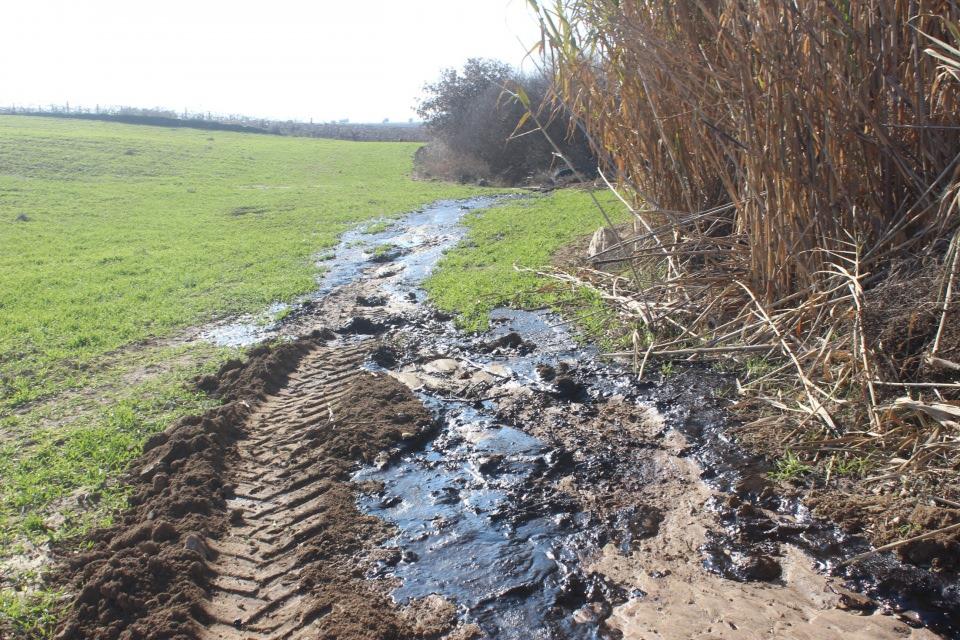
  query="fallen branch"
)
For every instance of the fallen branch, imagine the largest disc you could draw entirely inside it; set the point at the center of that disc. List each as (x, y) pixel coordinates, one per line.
(743, 348)
(900, 543)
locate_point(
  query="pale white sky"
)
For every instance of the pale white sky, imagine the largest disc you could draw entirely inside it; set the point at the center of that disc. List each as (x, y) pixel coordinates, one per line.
(328, 59)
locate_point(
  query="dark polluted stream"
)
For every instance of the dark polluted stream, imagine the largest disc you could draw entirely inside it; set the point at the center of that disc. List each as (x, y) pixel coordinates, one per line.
(476, 523)
(476, 510)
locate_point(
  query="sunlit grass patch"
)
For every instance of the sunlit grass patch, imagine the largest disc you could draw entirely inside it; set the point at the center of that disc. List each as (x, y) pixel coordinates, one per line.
(29, 614)
(790, 468)
(480, 275)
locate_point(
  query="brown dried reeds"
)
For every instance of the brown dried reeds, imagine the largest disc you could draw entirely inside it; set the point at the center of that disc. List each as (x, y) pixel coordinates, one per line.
(785, 162)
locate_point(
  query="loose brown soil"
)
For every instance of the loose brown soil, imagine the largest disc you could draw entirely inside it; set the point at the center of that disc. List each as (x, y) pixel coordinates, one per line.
(244, 524)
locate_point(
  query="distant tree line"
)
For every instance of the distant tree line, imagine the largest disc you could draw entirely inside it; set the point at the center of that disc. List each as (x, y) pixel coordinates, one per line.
(480, 130)
(340, 130)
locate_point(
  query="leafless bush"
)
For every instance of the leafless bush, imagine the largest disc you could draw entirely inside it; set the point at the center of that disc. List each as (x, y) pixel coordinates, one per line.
(475, 120)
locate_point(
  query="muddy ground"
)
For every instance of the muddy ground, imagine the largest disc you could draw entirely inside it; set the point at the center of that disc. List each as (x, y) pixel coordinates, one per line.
(385, 476)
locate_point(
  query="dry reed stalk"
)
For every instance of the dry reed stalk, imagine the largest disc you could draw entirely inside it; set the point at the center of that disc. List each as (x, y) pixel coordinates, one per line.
(751, 142)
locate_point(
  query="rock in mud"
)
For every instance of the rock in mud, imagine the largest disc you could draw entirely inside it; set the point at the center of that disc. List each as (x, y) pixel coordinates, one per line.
(546, 372)
(442, 365)
(568, 388)
(361, 325)
(853, 601)
(371, 301)
(195, 543)
(512, 340)
(388, 270)
(602, 243)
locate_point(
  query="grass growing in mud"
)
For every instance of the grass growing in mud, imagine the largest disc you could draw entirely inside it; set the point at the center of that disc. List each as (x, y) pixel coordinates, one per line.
(112, 236)
(479, 275)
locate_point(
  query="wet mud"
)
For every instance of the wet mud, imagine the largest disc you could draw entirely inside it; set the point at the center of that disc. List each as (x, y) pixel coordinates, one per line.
(386, 476)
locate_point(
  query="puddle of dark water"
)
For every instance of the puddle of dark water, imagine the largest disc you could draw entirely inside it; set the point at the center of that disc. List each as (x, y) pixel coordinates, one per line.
(475, 520)
(454, 506)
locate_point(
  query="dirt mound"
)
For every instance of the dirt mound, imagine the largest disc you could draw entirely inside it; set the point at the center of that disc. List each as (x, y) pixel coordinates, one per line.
(511, 340)
(146, 575)
(243, 521)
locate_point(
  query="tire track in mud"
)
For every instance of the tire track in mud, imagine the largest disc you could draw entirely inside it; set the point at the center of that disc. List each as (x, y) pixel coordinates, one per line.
(278, 506)
(244, 523)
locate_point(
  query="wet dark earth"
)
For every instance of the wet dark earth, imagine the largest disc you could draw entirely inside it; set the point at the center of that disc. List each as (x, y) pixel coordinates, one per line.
(544, 493)
(478, 519)
(481, 512)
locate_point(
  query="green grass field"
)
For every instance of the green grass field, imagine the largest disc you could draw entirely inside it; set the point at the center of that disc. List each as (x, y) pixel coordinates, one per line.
(133, 232)
(115, 236)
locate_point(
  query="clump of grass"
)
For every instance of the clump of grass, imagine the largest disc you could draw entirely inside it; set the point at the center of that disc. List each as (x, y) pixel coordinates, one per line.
(852, 466)
(377, 227)
(29, 614)
(790, 468)
(383, 251)
(757, 367)
(479, 275)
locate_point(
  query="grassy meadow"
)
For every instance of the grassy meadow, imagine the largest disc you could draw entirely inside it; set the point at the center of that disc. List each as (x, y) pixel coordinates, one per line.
(115, 233)
(114, 238)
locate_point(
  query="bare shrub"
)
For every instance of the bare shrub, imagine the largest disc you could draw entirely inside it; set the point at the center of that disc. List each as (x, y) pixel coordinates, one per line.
(475, 121)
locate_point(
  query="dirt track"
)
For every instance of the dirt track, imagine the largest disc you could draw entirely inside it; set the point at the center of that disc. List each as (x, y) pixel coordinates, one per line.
(536, 494)
(286, 497)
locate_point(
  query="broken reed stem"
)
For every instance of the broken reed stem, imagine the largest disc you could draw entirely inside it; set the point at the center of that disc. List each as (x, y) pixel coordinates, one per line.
(858, 334)
(744, 348)
(954, 249)
(918, 385)
(900, 543)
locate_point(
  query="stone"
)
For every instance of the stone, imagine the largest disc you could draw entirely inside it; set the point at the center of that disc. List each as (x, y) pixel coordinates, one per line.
(603, 239)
